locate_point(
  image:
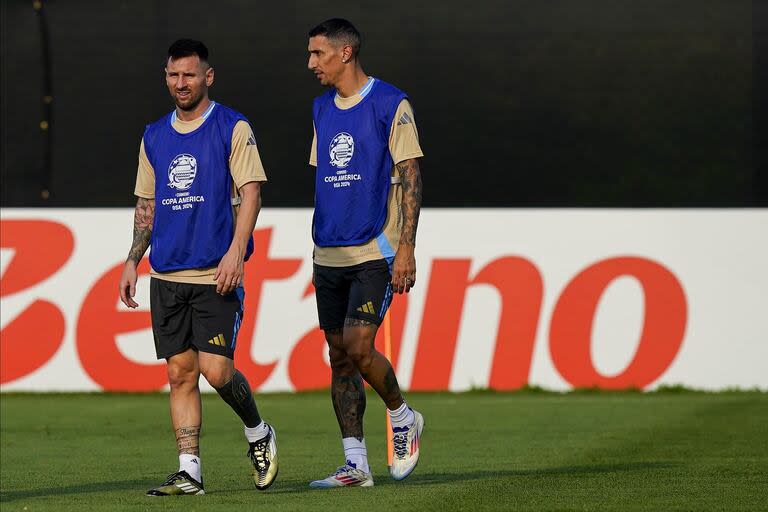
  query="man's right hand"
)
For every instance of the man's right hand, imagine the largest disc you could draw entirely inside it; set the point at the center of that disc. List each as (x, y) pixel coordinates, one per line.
(128, 284)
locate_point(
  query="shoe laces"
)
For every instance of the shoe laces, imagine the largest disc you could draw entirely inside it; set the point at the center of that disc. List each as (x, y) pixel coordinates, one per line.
(257, 452)
(175, 477)
(344, 469)
(400, 442)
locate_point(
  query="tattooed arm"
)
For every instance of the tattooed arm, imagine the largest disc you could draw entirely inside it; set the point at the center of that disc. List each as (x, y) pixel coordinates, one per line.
(142, 234)
(404, 267)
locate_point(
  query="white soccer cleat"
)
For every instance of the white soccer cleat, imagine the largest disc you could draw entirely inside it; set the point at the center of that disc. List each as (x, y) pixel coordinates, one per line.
(406, 442)
(346, 476)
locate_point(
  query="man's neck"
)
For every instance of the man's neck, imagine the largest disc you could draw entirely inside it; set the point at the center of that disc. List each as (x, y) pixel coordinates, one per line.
(351, 84)
(191, 115)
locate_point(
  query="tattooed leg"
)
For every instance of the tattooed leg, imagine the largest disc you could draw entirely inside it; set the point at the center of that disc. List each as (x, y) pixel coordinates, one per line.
(348, 397)
(186, 410)
(347, 391)
(377, 371)
(188, 440)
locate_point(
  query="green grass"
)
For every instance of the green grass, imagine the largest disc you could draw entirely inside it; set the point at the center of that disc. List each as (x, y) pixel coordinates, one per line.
(530, 450)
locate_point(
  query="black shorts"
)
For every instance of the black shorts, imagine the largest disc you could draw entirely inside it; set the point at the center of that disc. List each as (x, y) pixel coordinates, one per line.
(194, 316)
(361, 291)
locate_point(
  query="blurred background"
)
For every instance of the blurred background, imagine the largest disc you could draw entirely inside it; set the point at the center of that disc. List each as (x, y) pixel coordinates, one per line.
(594, 185)
(594, 103)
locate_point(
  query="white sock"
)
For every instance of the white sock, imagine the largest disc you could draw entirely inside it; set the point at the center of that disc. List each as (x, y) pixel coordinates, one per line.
(253, 434)
(402, 416)
(191, 464)
(356, 453)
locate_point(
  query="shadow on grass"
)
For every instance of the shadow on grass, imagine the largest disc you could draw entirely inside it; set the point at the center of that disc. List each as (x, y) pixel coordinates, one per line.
(86, 488)
(447, 478)
(302, 486)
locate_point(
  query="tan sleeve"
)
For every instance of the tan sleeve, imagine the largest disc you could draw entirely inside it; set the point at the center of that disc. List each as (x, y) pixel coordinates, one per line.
(244, 161)
(145, 176)
(313, 150)
(404, 137)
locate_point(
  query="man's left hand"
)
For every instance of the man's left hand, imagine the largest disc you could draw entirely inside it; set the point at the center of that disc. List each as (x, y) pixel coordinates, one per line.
(404, 269)
(229, 273)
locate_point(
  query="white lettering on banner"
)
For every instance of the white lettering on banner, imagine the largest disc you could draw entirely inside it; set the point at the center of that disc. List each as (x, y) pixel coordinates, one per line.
(534, 307)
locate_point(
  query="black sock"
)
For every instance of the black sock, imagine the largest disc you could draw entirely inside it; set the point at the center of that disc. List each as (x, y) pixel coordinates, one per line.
(237, 393)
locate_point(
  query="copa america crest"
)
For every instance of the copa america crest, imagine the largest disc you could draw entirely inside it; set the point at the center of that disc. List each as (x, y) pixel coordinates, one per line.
(182, 171)
(341, 149)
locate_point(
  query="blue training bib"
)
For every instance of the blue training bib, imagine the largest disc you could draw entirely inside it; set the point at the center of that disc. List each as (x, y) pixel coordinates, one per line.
(194, 221)
(354, 166)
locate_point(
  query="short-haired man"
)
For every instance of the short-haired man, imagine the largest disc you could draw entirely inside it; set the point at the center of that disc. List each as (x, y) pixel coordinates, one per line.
(367, 202)
(195, 164)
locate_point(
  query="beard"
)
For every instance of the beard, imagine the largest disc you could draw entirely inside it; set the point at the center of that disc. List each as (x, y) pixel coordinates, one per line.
(189, 103)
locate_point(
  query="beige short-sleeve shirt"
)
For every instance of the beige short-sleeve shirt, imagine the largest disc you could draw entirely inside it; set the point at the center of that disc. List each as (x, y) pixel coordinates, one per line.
(244, 165)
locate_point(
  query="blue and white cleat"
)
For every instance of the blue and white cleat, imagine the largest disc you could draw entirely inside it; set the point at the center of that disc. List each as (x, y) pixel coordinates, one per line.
(346, 476)
(405, 441)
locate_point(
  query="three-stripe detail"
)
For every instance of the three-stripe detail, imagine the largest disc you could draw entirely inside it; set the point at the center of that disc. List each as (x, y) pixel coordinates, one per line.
(187, 487)
(218, 340)
(349, 480)
(367, 308)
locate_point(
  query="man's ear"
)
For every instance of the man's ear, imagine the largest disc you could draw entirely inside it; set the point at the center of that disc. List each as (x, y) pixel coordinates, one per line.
(209, 77)
(346, 54)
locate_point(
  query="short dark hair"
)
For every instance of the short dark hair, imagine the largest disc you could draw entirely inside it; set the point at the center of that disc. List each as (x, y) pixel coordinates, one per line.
(341, 30)
(187, 48)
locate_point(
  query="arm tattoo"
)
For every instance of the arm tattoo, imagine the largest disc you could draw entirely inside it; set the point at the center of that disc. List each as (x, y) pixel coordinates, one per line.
(188, 440)
(142, 228)
(348, 396)
(410, 179)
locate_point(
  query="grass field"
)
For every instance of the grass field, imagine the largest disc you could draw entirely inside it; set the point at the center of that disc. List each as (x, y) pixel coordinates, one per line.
(481, 451)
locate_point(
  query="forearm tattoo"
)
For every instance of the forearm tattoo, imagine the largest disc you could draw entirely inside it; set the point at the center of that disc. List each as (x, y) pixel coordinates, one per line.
(410, 180)
(142, 228)
(348, 396)
(188, 440)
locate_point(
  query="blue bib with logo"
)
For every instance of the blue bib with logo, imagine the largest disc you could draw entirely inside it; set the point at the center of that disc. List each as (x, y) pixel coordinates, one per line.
(194, 221)
(354, 166)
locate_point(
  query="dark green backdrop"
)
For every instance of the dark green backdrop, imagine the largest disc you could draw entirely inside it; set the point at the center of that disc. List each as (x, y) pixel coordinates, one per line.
(519, 103)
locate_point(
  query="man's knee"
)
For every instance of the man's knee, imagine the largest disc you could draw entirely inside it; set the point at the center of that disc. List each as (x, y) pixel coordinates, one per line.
(341, 364)
(218, 377)
(216, 369)
(360, 353)
(182, 376)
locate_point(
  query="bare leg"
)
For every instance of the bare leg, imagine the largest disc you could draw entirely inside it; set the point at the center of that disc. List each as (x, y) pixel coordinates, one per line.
(186, 409)
(358, 340)
(347, 391)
